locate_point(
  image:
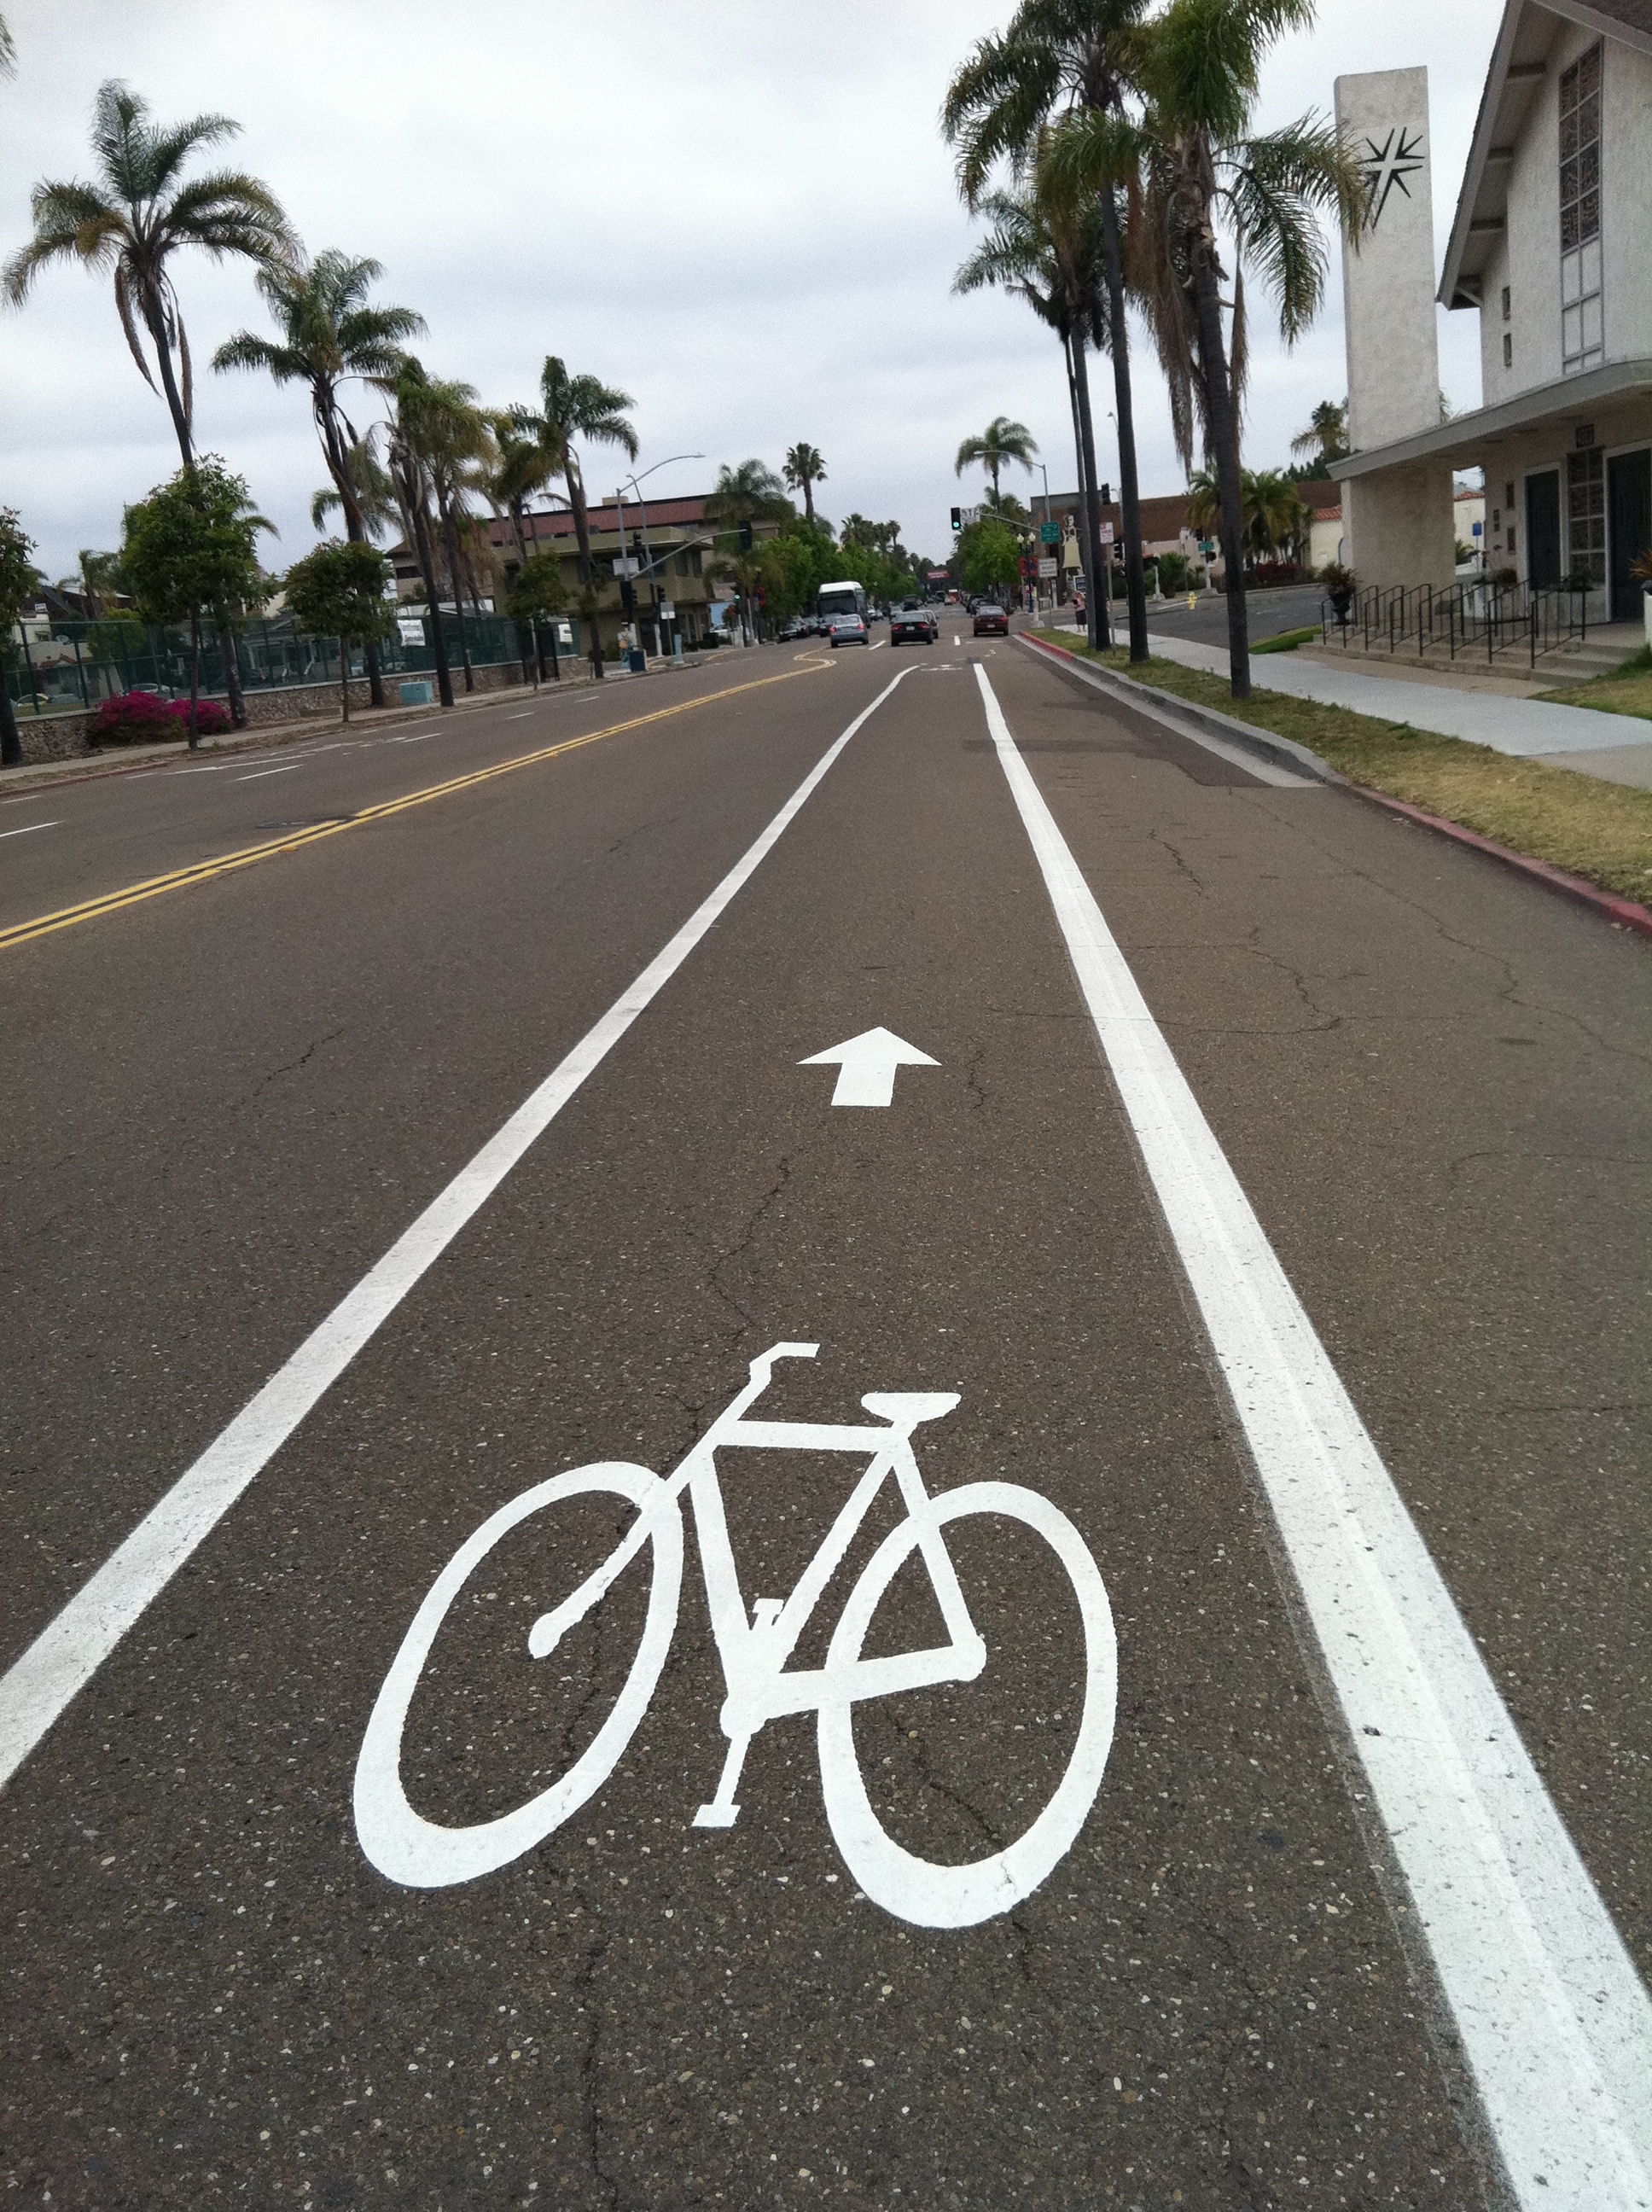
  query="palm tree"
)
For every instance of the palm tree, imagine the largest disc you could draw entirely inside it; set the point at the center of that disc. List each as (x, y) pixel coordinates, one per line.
(1270, 514)
(329, 334)
(1001, 441)
(1058, 59)
(412, 478)
(375, 494)
(804, 469)
(581, 407)
(744, 496)
(8, 52)
(1053, 264)
(452, 439)
(526, 465)
(1325, 437)
(132, 221)
(1202, 168)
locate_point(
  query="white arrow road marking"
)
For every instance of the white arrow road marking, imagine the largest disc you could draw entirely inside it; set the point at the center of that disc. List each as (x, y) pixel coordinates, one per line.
(866, 1066)
(1555, 2023)
(69, 1651)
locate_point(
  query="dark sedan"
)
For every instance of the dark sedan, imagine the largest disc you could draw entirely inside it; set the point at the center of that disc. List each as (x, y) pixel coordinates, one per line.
(991, 620)
(914, 625)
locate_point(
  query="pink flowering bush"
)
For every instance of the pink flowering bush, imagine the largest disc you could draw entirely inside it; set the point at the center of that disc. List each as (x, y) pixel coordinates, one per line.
(140, 718)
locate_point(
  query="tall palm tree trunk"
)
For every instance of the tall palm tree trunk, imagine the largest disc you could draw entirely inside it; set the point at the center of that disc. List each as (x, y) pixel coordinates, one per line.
(1078, 432)
(428, 572)
(450, 541)
(355, 529)
(576, 484)
(11, 745)
(1224, 441)
(194, 676)
(1135, 578)
(1096, 613)
(809, 500)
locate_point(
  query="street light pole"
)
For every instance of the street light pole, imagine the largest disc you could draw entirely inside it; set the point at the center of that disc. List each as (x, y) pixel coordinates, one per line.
(647, 550)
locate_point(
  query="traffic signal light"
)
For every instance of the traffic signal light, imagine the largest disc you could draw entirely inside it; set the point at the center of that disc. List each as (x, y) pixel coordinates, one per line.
(745, 537)
(957, 517)
(1107, 495)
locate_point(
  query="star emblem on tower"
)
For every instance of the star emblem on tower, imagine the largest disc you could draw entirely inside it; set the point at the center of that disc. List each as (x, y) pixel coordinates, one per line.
(1398, 156)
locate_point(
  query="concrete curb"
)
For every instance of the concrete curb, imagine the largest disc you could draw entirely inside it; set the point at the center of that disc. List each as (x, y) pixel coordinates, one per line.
(1622, 913)
(1184, 715)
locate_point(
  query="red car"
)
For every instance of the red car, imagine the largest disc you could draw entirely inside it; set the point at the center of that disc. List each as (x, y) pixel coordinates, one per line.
(991, 620)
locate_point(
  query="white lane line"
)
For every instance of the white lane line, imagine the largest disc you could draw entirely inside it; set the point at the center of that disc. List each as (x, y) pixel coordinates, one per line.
(417, 740)
(520, 715)
(27, 827)
(38, 1686)
(1554, 2019)
(286, 769)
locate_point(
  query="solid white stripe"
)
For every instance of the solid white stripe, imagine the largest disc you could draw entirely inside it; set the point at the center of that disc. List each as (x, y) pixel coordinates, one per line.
(1554, 2019)
(40, 1683)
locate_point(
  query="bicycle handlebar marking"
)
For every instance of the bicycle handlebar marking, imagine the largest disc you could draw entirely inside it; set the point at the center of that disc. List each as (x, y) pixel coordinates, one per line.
(753, 1648)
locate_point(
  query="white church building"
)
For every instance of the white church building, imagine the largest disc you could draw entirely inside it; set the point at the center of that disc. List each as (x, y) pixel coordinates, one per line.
(1551, 246)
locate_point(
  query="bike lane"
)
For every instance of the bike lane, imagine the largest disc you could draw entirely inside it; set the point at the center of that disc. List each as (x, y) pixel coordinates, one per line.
(1207, 2000)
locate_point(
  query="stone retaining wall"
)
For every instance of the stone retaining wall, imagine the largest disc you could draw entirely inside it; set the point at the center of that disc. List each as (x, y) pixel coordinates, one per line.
(64, 737)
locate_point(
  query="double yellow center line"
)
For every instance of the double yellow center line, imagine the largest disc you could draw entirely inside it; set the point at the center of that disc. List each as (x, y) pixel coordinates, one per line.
(201, 871)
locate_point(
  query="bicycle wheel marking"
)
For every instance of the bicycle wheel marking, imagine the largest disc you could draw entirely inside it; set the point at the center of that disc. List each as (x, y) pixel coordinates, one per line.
(754, 1644)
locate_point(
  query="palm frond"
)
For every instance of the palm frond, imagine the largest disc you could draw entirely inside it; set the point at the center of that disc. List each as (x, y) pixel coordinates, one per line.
(128, 309)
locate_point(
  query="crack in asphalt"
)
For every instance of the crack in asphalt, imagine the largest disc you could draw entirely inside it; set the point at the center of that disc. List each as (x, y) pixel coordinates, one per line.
(741, 1244)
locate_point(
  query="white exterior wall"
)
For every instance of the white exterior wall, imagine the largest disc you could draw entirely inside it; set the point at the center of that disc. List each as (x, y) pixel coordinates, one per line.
(1527, 257)
(1626, 202)
(1394, 355)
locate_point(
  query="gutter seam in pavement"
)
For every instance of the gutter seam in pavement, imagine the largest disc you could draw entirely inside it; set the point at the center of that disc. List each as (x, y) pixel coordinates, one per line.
(1622, 913)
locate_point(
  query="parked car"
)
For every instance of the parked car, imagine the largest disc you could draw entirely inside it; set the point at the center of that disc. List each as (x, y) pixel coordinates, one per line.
(795, 629)
(849, 629)
(914, 623)
(992, 621)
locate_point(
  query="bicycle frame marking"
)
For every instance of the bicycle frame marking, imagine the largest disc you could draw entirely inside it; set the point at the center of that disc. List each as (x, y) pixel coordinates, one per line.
(408, 1847)
(753, 1653)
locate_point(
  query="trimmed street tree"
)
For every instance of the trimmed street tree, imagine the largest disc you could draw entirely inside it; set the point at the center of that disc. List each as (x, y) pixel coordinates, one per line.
(190, 550)
(19, 581)
(537, 591)
(338, 591)
(991, 555)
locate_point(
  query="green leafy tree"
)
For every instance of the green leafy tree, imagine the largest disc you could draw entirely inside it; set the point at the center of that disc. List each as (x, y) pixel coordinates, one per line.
(190, 550)
(338, 591)
(586, 409)
(1060, 62)
(536, 592)
(990, 554)
(1271, 519)
(1204, 171)
(130, 222)
(744, 496)
(98, 579)
(803, 469)
(20, 580)
(1001, 441)
(329, 334)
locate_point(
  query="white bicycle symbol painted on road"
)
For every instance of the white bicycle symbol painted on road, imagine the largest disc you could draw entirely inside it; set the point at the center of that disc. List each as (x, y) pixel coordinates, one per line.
(754, 1649)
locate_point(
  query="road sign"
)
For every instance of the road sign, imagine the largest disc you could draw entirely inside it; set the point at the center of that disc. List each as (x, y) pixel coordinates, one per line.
(1049, 533)
(1107, 533)
(1047, 568)
(667, 610)
(866, 1066)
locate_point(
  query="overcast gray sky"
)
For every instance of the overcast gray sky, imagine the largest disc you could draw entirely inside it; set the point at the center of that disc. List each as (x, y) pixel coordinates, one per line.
(742, 215)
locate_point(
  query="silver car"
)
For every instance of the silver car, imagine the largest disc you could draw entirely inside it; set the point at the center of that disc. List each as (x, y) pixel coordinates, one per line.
(848, 629)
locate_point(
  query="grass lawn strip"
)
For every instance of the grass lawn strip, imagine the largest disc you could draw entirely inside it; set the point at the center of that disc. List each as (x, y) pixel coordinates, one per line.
(1287, 641)
(1626, 690)
(1600, 831)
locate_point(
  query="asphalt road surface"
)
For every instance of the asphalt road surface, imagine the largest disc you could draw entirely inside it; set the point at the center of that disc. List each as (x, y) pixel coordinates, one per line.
(1231, 1792)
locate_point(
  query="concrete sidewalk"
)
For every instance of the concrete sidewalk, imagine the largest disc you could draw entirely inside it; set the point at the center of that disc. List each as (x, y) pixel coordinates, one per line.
(1617, 748)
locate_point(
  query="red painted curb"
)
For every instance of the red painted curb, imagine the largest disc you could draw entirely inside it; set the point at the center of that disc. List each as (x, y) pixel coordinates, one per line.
(1624, 913)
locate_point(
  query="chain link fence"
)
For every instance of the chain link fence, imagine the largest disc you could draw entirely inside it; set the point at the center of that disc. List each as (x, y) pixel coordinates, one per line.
(80, 664)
